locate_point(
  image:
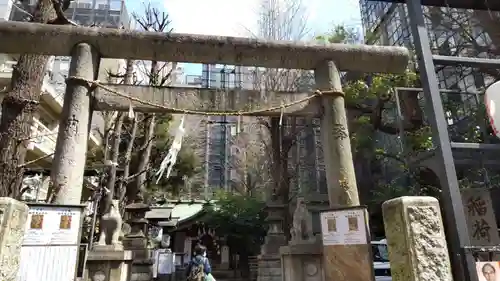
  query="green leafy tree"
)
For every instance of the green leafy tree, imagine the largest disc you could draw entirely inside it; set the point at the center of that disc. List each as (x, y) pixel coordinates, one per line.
(241, 220)
(341, 34)
(187, 164)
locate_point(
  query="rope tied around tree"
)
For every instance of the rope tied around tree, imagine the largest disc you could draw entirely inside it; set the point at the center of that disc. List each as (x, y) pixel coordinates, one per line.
(97, 84)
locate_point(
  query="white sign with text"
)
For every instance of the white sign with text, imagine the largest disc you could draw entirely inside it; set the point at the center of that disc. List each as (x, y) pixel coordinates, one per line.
(52, 226)
(344, 227)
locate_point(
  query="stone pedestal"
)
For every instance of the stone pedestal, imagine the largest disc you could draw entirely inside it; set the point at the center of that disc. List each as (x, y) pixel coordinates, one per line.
(316, 202)
(141, 270)
(275, 237)
(416, 239)
(270, 260)
(165, 277)
(13, 216)
(108, 264)
(302, 262)
(137, 242)
(136, 239)
(269, 268)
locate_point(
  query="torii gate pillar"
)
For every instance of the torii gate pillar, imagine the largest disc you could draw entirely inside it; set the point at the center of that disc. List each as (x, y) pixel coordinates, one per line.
(71, 146)
(340, 175)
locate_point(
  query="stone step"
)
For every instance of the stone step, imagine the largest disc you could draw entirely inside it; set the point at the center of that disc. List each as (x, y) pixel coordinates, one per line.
(223, 274)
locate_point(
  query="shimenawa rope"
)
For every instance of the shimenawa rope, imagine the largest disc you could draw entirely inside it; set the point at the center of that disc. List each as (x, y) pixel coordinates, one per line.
(96, 83)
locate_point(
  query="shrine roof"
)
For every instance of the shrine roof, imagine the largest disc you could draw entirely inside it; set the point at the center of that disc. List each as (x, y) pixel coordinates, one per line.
(160, 213)
(175, 212)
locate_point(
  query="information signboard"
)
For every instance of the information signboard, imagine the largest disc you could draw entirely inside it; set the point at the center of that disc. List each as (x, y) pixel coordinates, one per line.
(344, 227)
(52, 236)
(346, 244)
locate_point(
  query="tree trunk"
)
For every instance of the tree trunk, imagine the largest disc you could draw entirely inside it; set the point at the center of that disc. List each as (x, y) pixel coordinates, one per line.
(108, 123)
(126, 165)
(281, 146)
(107, 133)
(363, 159)
(115, 152)
(276, 155)
(142, 166)
(244, 263)
(115, 149)
(147, 145)
(18, 107)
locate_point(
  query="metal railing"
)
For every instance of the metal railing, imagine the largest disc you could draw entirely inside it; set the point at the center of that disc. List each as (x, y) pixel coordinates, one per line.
(47, 88)
(43, 137)
(7, 66)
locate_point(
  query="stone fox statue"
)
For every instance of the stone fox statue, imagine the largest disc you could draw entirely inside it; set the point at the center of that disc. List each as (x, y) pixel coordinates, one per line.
(111, 225)
(302, 222)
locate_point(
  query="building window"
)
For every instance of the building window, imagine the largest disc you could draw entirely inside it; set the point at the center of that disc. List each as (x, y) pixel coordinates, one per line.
(84, 5)
(44, 122)
(115, 19)
(115, 5)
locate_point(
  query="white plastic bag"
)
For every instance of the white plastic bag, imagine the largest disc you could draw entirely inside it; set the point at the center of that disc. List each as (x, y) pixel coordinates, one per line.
(209, 277)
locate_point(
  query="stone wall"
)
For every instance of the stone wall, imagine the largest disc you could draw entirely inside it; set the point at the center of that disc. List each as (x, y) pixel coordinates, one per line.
(303, 261)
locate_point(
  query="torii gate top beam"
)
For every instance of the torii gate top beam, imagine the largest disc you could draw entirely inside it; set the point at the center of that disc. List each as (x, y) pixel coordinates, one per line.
(21, 37)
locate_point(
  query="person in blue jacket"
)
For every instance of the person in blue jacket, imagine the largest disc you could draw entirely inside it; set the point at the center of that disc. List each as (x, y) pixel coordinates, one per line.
(200, 258)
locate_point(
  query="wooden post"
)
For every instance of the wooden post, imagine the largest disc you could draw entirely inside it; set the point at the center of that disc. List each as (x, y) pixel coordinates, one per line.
(340, 176)
(71, 147)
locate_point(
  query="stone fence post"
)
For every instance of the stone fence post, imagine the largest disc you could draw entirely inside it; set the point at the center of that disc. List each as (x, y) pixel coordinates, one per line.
(13, 216)
(416, 239)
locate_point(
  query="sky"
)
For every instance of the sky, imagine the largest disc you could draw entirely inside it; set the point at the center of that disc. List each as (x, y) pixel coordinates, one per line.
(239, 17)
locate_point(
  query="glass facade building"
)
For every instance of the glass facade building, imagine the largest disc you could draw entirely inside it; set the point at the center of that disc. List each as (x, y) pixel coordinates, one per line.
(223, 143)
(102, 13)
(452, 32)
(221, 130)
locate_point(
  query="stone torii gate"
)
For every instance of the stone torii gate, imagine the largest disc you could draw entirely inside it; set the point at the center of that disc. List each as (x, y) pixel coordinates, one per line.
(87, 46)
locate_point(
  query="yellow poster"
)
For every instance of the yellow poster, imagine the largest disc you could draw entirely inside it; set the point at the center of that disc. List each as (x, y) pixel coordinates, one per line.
(65, 222)
(36, 222)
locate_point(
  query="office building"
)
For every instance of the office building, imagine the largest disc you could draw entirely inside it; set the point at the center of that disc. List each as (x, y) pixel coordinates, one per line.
(45, 125)
(452, 32)
(229, 145)
(388, 24)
